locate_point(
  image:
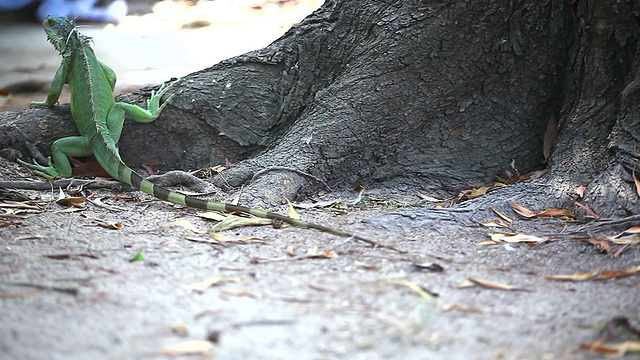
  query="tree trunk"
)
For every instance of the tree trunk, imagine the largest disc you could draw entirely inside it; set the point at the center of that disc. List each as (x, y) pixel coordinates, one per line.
(434, 95)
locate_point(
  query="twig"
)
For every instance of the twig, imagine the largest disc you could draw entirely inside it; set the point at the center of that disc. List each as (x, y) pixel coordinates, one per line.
(69, 290)
(47, 185)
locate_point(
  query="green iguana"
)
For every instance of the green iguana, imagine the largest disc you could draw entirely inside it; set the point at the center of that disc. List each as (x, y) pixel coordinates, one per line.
(100, 119)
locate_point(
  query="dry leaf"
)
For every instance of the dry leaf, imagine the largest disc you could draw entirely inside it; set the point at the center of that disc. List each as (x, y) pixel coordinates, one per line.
(614, 350)
(465, 308)
(201, 347)
(494, 223)
(488, 284)
(76, 202)
(489, 242)
(636, 182)
(521, 210)
(203, 285)
(502, 216)
(365, 265)
(589, 211)
(517, 238)
(602, 275)
(573, 277)
(557, 213)
(600, 245)
(631, 230)
(187, 225)
(212, 215)
(580, 190)
(233, 221)
(475, 192)
(426, 294)
(427, 197)
(292, 212)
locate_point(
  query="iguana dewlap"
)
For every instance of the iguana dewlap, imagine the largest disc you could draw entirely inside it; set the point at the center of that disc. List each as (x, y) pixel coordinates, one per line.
(100, 119)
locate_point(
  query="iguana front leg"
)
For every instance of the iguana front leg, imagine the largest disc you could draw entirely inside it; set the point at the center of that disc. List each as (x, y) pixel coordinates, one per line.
(117, 114)
(58, 81)
(61, 149)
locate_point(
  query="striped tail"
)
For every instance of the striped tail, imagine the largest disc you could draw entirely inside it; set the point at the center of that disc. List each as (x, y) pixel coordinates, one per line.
(106, 152)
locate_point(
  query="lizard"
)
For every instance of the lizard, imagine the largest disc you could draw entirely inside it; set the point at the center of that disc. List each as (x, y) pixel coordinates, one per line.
(100, 119)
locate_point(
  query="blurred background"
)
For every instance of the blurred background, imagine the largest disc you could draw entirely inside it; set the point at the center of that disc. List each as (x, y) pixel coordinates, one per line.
(144, 41)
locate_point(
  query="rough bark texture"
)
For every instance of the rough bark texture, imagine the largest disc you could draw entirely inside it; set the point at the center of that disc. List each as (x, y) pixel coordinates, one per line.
(428, 93)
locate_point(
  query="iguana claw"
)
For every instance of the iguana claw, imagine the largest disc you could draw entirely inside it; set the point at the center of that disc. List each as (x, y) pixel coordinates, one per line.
(153, 103)
(47, 172)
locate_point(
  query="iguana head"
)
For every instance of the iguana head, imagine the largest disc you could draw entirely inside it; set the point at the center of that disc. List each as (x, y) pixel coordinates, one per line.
(61, 31)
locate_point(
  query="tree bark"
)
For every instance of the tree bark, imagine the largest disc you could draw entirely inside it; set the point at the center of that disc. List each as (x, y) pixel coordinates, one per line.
(428, 94)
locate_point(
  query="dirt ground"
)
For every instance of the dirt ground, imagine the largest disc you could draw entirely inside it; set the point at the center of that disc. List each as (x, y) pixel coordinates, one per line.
(125, 276)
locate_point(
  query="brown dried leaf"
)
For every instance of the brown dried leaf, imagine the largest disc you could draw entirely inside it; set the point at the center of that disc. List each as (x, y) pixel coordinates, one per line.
(636, 182)
(494, 223)
(502, 216)
(613, 350)
(490, 285)
(459, 307)
(602, 275)
(203, 285)
(475, 192)
(77, 202)
(521, 210)
(194, 347)
(631, 230)
(580, 190)
(557, 213)
(573, 277)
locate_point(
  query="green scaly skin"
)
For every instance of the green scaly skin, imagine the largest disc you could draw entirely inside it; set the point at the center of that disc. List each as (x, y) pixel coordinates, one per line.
(100, 119)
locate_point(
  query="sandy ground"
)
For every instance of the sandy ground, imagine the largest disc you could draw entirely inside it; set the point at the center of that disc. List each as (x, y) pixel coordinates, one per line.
(72, 288)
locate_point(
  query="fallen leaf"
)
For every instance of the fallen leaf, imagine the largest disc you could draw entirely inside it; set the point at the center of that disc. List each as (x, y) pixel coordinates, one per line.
(557, 213)
(203, 285)
(187, 225)
(240, 293)
(589, 211)
(475, 192)
(76, 202)
(517, 238)
(424, 293)
(573, 277)
(521, 210)
(600, 245)
(580, 190)
(19, 295)
(194, 347)
(365, 265)
(233, 221)
(489, 285)
(636, 182)
(614, 350)
(212, 215)
(602, 275)
(494, 223)
(502, 216)
(464, 308)
(292, 212)
(427, 197)
(631, 230)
